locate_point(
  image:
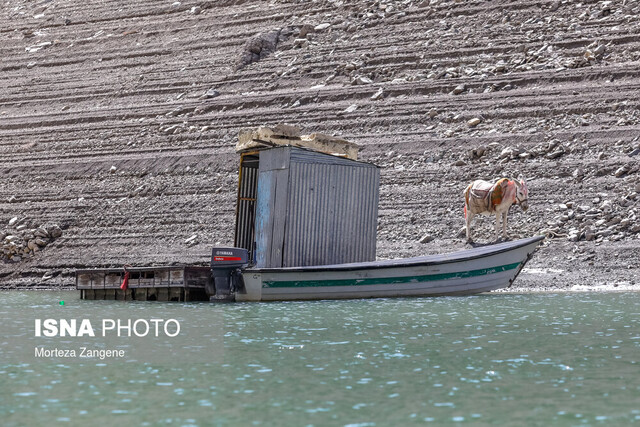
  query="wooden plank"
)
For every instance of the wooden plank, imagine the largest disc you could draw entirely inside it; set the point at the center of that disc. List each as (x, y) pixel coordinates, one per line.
(176, 278)
(162, 277)
(112, 280)
(83, 281)
(197, 277)
(147, 279)
(176, 294)
(162, 294)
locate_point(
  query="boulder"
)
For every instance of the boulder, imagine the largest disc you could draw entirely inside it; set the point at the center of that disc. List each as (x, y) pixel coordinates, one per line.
(54, 231)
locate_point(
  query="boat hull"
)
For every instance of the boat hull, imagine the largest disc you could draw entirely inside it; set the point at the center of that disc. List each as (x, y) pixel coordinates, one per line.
(460, 273)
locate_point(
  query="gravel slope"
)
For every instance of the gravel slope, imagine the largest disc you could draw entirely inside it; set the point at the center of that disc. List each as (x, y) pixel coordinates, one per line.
(118, 122)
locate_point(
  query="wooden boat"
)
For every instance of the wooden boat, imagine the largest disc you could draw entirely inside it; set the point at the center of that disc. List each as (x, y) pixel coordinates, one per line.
(231, 279)
(465, 272)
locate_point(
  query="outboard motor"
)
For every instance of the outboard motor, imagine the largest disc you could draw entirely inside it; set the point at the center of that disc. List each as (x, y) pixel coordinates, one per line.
(226, 270)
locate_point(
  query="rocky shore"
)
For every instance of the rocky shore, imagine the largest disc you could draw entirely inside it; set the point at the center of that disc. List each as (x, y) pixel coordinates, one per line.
(118, 124)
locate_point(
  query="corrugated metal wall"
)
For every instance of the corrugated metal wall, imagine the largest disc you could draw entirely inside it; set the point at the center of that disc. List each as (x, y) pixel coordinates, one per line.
(314, 209)
(333, 211)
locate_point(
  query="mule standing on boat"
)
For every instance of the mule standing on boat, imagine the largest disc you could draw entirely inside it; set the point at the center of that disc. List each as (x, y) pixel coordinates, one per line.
(485, 198)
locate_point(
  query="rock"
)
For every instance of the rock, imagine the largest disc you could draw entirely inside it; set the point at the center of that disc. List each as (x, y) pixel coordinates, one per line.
(322, 26)
(459, 89)
(555, 154)
(54, 231)
(40, 242)
(191, 240)
(507, 152)
(378, 95)
(195, 10)
(432, 113)
(211, 93)
(113, 169)
(260, 46)
(604, 233)
(300, 43)
(41, 232)
(623, 170)
(32, 245)
(599, 51)
(476, 153)
(578, 173)
(12, 238)
(460, 163)
(38, 47)
(606, 206)
(426, 238)
(171, 130)
(351, 108)
(13, 221)
(474, 122)
(361, 80)
(305, 30)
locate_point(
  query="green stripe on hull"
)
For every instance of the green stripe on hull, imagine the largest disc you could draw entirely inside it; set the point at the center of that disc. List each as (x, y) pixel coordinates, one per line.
(387, 280)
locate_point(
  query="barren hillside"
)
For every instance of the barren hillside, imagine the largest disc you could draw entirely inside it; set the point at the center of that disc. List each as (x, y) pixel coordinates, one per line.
(118, 122)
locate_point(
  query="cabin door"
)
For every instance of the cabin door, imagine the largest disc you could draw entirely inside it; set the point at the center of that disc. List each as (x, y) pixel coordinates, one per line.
(246, 203)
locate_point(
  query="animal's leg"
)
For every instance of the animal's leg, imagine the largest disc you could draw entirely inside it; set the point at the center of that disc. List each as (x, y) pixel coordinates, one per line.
(498, 216)
(504, 224)
(468, 219)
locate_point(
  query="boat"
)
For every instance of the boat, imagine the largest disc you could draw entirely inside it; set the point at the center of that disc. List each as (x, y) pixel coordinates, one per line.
(231, 278)
(465, 272)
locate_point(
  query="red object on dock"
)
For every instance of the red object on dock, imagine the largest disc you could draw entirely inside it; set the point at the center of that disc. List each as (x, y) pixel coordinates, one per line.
(125, 281)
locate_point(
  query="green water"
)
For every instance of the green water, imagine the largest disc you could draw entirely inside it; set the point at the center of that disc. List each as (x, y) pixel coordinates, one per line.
(537, 359)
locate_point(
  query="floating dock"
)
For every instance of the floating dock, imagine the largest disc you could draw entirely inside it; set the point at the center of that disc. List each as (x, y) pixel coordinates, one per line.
(168, 283)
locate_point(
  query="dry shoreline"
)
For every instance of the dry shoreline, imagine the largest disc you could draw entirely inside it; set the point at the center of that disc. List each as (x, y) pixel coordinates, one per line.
(117, 124)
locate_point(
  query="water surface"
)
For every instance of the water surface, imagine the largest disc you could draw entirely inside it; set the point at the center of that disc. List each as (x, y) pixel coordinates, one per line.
(534, 359)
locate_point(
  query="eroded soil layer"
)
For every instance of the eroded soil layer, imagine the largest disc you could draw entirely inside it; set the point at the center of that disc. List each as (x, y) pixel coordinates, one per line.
(118, 123)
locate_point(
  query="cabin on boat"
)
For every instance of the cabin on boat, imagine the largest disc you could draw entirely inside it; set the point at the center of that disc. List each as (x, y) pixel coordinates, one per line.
(298, 206)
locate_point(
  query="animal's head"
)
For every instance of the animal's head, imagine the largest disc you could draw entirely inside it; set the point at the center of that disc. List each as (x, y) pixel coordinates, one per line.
(522, 193)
